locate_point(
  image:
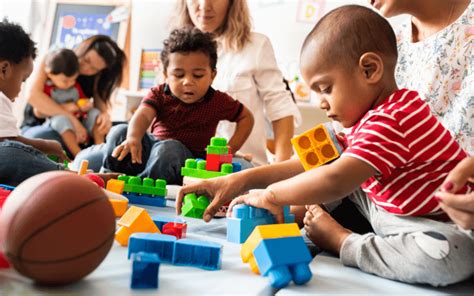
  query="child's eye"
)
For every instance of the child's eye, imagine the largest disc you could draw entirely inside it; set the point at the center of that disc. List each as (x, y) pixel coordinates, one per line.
(327, 90)
(198, 76)
(178, 75)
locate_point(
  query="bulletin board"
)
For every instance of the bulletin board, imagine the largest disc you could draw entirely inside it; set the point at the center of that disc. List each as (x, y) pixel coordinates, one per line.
(72, 21)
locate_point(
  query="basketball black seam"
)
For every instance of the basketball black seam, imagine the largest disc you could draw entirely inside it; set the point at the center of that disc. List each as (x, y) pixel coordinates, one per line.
(39, 230)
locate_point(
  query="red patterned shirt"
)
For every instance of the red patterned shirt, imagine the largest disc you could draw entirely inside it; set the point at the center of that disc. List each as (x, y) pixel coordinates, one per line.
(411, 151)
(191, 124)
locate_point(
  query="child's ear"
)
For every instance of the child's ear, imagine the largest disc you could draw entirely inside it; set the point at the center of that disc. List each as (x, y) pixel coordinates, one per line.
(5, 68)
(165, 75)
(371, 64)
(213, 74)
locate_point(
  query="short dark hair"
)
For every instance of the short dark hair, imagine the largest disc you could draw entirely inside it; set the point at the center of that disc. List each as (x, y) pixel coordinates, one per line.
(188, 40)
(15, 44)
(62, 61)
(344, 34)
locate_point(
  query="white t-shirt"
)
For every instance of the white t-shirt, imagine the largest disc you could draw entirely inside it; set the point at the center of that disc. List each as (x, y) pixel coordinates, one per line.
(252, 77)
(7, 120)
(441, 69)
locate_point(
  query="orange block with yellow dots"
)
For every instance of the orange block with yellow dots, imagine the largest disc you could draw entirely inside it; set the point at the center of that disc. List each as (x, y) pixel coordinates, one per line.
(317, 146)
(134, 220)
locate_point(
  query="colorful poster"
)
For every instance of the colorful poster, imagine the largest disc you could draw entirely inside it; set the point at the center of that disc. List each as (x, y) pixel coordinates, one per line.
(309, 11)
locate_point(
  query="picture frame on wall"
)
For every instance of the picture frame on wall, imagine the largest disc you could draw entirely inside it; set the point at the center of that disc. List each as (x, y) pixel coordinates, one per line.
(72, 21)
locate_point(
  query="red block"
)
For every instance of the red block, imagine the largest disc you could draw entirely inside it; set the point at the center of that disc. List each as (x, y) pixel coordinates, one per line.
(3, 261)
(3, 196)
(175, 229)
(214, 161)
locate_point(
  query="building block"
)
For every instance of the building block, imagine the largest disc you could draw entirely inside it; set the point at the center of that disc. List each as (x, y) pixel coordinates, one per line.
(217, 146)
(194, 206)
(284, 259)
(3, 261)
(134, 220)
(146, 200)
(146, 187)
(5, 191)
(160, 244)
(317, 146)
(119, 206)
(175, 229)
(145, 270)
(262, 232)
(202, 254)
(96, 179)
(197, 169)
(245, 218)
(115, 185)
(83, 167)
(214, 161)
(160, 221)
(236, 167)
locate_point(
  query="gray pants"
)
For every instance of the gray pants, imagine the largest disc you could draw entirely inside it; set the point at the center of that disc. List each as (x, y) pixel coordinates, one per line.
(61, 123)
(409, 249)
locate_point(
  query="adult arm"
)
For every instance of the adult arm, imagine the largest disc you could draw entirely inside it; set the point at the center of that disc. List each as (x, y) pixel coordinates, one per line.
(242, 130)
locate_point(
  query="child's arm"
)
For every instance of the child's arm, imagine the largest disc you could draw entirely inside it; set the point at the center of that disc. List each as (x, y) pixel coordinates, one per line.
(242, 130)
(139, 123)
(48, 147)
(323, 184)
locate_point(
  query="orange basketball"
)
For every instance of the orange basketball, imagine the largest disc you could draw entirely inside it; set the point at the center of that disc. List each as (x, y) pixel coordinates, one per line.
(56, 227)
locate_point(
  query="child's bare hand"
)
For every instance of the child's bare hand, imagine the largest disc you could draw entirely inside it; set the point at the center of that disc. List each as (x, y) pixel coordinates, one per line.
(132, 146)
(260, 199)
(79, 130)
(341, 138)
(70, 107)
(52, 147)
(86, 106)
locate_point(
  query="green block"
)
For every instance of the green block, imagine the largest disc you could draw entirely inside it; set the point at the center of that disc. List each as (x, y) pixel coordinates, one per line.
(194, 206)
(197, 169)
(217, 150)
(216, 141)
(146, 187)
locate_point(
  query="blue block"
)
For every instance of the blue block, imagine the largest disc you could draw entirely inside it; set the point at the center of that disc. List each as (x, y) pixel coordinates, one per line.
(236, 167)
(7, 187)
(245, 218)
(284, 259)
(145, 269)
(146, 200)
(160, 244)
(202, 254)
(160, 221)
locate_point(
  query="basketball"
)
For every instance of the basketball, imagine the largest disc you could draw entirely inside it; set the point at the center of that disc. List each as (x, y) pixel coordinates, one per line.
(56, 227)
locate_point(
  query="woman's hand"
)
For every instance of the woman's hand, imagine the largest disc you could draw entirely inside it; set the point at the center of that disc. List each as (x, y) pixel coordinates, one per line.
(221, 190)
(459, 207)
(264, 199)
(130, 145)
(104, 123)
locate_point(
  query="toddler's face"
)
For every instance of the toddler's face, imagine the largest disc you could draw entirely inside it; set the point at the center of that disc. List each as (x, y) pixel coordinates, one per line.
(61, 81)
(14, 76)
(342, 92)
(189, 75)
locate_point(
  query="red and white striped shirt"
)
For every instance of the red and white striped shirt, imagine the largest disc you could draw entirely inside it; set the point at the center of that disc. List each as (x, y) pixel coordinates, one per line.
(411, 151)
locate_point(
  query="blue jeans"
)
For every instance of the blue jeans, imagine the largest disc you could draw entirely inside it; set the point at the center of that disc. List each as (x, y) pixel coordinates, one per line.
(20, 161)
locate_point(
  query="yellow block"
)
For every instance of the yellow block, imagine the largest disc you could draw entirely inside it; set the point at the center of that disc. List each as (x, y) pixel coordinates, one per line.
(316, 146)
(115, 186)
(119, 206)
(134, 220)
(83, 168)
(263, 232)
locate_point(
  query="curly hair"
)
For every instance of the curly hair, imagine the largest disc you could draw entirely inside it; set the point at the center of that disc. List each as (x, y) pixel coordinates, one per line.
(188, 40)
(15, 44)
(235, 31)
(62, 61)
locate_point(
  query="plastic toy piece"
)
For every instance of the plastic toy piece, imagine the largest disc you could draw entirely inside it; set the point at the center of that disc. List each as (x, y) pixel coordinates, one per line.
(245, 218)
(146, 187)
(161, 221)
(197, 169)
(175, 229)
(83, 168)
(264, 232)
(236, 167)
(218, 146)
(284, 259)
(146, 200)
(194, 206)
(134, 220)
(5, 191)
(96, 179)
(214, 161)
(160, 244)
(119, 206)
(202, 254)
(115, 186)
(317, 146)
(145, 270)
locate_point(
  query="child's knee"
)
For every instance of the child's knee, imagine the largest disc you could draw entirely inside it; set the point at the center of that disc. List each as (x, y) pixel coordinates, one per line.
(61, 123)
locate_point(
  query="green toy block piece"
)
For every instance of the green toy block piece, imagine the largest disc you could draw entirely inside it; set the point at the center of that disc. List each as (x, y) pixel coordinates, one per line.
(227, 168)
(217, 150)
(146, 187)
(216, 141)
(201, 165)
(194, 206)
(197, 169)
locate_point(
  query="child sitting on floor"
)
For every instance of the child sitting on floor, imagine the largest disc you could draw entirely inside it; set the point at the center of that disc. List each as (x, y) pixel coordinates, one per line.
(183, 113)
(397, 152)
(62, 69)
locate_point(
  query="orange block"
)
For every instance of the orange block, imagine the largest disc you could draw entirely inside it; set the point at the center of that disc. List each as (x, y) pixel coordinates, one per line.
(119, 206)
(115, 186)
(134, 220)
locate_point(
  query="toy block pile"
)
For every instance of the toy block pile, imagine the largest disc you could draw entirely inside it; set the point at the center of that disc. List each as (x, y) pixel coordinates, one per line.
(317, 146)
(245, 218)
(146, 192)
(5, 191)
(279, 252)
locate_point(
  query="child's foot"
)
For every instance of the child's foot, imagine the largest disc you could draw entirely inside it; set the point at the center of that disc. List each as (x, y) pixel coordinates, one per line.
(323, 230)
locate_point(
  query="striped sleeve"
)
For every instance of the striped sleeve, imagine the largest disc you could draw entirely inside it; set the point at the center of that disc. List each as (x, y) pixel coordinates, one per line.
(380, 143)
